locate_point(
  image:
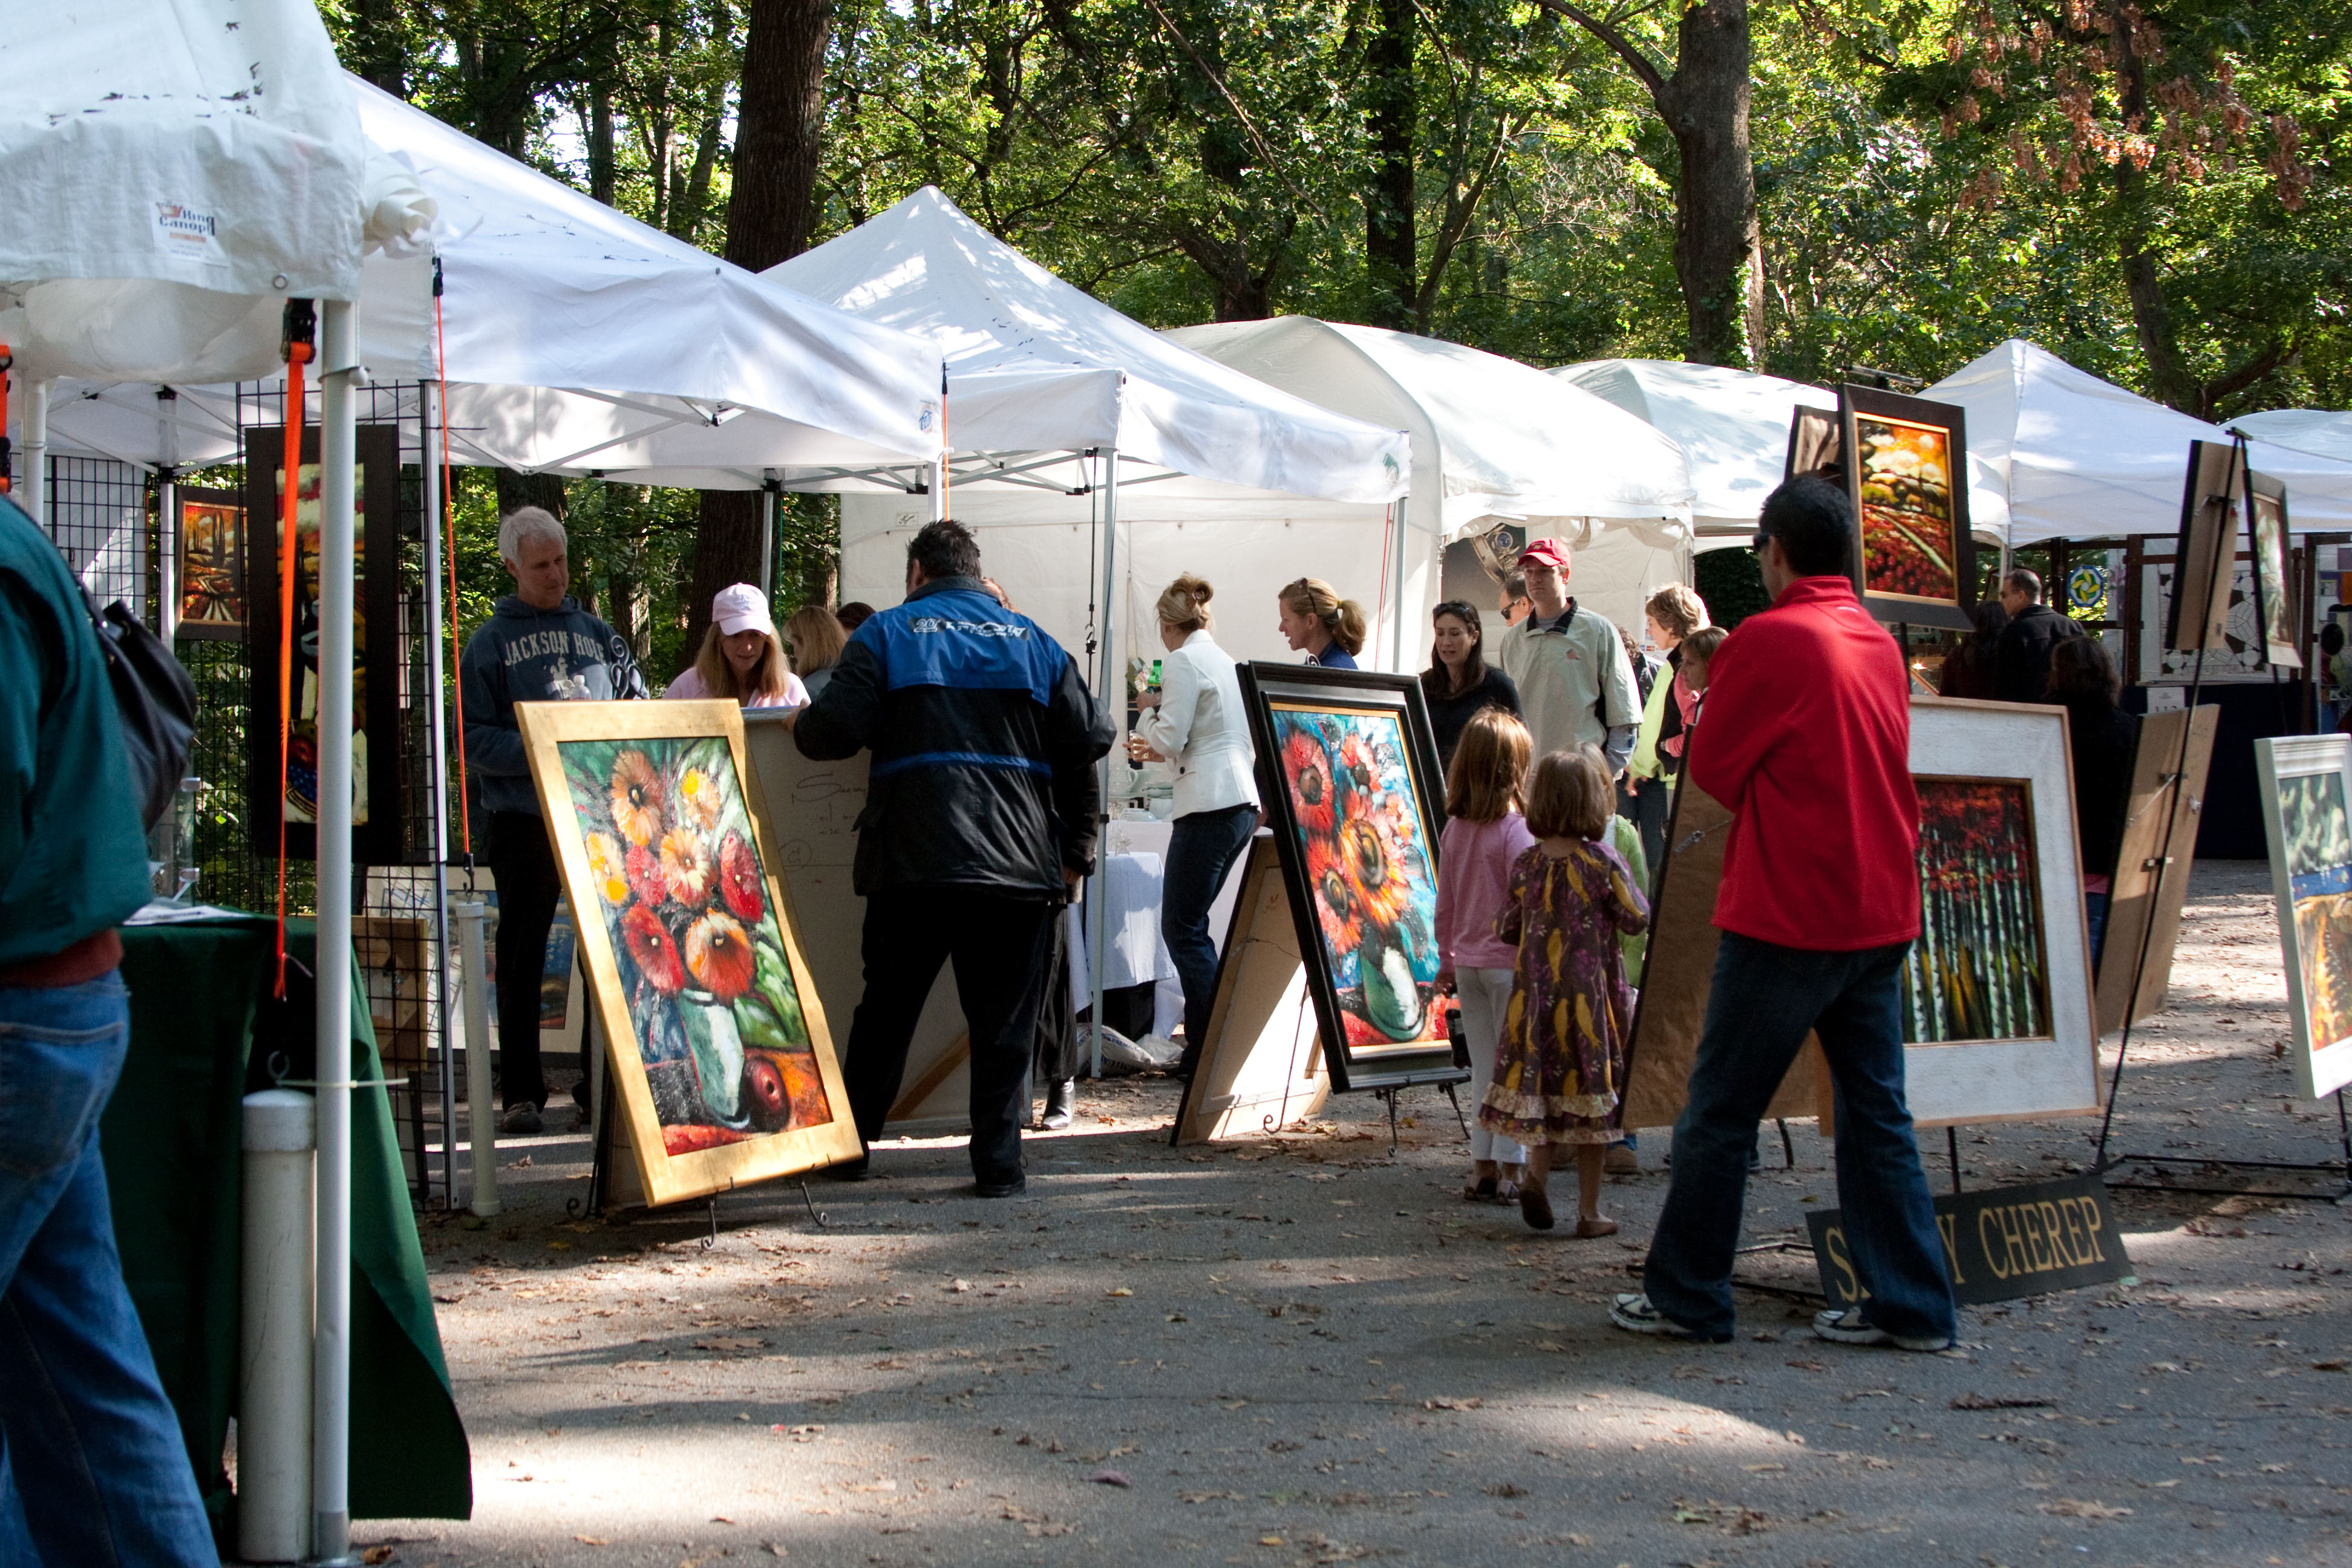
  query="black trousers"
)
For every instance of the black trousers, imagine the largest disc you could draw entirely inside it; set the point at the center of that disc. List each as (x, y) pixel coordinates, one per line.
(999, 947)
(529, 890)
(1057, 1014)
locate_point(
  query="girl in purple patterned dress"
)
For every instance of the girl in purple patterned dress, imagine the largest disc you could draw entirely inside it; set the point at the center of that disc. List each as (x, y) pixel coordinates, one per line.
(1562, 1064)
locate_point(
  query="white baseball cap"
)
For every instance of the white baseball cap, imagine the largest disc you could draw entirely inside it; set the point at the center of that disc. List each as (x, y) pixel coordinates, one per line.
(742, 608)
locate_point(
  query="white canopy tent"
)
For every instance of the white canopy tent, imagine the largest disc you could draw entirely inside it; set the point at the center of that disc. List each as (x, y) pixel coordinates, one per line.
(1066, 416)
(2054, 452)
(1731, 424)
(2317, 432)
(1493, 441)
(174, 174)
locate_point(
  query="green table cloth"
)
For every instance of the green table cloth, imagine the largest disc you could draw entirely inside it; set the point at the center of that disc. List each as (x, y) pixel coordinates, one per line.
(205, 1031)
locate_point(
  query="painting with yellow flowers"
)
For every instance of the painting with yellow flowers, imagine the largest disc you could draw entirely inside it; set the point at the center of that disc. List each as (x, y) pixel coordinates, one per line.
(720, 1059)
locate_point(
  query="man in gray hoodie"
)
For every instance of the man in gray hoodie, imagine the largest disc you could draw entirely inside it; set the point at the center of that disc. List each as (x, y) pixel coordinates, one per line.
(539, 646)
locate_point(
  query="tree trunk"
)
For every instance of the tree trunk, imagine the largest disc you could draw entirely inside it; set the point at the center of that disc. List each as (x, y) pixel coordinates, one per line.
(376, 52)
(772, 215)
(1389, 209)
(1718, 255)
(1243, 293)
(603, 160)
(2169, 375)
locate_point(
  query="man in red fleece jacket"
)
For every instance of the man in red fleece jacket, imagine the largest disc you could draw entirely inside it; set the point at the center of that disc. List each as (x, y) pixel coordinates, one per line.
(1806, 738)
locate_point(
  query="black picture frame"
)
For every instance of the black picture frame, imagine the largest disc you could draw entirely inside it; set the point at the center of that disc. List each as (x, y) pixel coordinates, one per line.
(2272, 545)
(1813, 444)
(376, 689)
(1357, 1058)
(2213, 498)
(1868, 412)
(209, 528)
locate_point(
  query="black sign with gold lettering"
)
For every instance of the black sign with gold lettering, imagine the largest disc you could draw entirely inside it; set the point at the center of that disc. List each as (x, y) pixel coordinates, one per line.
(2000, 1243)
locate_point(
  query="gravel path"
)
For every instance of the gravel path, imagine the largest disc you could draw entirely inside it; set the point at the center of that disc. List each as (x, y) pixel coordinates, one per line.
(1300, 1350)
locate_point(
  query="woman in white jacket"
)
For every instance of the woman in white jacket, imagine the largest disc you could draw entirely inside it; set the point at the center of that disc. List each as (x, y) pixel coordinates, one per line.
(1195, 722)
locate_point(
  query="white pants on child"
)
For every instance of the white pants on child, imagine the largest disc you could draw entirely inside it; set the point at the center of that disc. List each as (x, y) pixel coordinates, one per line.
(1485, 996)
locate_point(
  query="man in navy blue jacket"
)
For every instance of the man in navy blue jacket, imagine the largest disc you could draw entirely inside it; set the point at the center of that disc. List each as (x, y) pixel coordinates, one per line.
(981, 818)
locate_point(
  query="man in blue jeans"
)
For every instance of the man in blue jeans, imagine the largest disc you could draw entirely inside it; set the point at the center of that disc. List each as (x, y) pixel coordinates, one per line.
(97, 1472)
(1807, 740)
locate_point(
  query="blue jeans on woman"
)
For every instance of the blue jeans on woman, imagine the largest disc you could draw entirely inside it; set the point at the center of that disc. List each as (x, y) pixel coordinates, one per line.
(94, 1447)
(1765, 999)
(1201, 853)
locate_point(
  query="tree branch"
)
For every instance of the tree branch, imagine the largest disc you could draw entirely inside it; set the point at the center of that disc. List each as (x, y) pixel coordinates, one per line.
(1272, 164)
(1640, 64)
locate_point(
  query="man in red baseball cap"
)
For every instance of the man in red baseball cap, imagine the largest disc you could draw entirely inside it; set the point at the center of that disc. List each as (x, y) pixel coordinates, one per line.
(1569, 664)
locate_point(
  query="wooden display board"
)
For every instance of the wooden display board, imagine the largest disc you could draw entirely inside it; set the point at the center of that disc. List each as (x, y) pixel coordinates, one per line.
(810, 811)
(1261, 1067)
(2139, 900)
(1671, 1009)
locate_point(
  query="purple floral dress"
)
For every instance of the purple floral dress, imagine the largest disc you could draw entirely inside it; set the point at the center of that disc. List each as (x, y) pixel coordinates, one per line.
(1563, 1059)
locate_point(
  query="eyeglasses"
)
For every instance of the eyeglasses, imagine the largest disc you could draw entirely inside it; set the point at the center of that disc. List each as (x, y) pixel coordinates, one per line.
(1756, 543)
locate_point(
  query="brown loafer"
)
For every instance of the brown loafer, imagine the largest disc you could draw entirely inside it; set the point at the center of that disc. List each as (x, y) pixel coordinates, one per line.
(1535, 1207)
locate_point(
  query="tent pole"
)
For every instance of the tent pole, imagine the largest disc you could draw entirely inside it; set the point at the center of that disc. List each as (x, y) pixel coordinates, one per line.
(1111, 692)
(768, 540)
(330, 1347)
(433, 416)
(167, 521)
(1397, 509)
(33, 487)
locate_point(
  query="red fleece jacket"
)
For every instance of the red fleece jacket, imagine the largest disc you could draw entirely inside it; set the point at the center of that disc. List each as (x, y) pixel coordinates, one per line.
(1806, 738)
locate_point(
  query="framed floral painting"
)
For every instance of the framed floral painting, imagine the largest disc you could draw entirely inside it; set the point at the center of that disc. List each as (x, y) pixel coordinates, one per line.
(1348, 774)
(722, 1066)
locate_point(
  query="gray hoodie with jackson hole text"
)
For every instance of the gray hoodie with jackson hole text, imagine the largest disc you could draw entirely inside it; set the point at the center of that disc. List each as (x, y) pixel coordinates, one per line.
(527, 655)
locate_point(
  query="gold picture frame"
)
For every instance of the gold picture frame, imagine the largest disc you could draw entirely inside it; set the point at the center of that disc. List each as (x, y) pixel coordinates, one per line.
(723, 1067)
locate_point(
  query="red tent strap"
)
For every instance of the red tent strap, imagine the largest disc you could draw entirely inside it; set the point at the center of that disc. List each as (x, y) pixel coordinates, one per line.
(289, 560)
(449, 542)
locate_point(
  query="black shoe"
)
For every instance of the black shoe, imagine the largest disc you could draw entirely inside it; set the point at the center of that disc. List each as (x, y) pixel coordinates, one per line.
(521, 1119)
(580, 1094)
(847, 1171)
(1061, 1104)
(1012, 1189)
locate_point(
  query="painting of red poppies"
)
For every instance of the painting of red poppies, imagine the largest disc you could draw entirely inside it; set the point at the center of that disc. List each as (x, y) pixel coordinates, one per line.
(697, 969)
(1980, 969)
(1904, 485)
(1370, 868)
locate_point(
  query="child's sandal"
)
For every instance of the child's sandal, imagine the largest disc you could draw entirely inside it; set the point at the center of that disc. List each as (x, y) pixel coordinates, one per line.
(1587, 1229)
(1480, 1191)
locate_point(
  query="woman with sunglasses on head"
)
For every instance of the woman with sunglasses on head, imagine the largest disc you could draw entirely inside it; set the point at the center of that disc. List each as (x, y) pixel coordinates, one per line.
(1329, 631)
(1459, 682)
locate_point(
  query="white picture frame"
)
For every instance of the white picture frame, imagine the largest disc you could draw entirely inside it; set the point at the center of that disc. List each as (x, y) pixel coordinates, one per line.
(2053, 1069)
(2305, 780)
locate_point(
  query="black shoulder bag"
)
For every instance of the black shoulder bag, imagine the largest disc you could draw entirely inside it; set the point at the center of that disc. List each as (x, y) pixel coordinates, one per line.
(157, 701)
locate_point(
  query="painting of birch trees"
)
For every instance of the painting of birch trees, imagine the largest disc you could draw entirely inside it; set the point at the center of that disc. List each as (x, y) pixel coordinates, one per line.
(1980, 969)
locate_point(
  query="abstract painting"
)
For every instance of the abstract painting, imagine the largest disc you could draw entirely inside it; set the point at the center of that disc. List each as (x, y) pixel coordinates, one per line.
(2310, 827)
(211, 534)
(1348, 770)
(1980, 969)
(719, 1045)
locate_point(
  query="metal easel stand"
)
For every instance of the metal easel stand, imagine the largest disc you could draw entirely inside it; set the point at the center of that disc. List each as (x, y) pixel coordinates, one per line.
(1390, 1097)
(2340, 1169)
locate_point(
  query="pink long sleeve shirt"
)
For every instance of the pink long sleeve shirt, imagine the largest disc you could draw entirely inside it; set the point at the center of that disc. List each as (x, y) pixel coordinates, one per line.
(1474, 883)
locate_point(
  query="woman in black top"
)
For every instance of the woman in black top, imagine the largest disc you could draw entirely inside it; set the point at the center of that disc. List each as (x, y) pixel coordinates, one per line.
(1458, 682)
(1968, 669)
(2104, 740)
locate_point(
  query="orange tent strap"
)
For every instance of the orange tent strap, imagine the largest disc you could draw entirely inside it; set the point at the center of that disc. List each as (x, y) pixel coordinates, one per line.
(449, 542)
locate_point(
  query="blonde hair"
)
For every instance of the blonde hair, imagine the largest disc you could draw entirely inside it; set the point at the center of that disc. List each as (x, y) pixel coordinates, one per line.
(817, 637)
(1489, 768)
(1569, 795)
(1342, 618)
(1677, 609)
(718, 676)
(1184, 605)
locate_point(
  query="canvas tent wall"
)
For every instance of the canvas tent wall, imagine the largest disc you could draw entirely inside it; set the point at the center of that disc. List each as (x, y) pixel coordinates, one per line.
(1731, 424)
(2056, 453)
(1493, 441)
(1215, 471)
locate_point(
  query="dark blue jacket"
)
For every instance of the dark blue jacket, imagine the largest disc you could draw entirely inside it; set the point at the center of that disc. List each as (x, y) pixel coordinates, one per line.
(984, 739)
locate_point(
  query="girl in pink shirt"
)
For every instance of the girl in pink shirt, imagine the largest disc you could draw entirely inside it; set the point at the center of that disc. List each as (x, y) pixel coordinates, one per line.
(1484, 834)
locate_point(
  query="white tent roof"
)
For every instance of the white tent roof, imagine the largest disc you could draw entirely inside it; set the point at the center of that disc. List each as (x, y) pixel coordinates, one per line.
(171, 176)
(1035, 365)
(2056, 452)
(580, 341)
(1731, 424)
(2317, 432)
(1492, 439)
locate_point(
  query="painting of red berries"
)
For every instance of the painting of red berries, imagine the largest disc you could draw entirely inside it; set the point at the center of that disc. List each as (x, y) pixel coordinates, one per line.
(1905, 493)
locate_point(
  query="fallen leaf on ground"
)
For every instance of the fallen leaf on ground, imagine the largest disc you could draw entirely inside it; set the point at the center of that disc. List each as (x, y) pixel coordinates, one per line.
(1444, 1403)
(592, 1540)
(1209, 1497)
(1120, 1290)
(1998, 1402)
(2082, 1508)
(735, 1343)
(1110, 1478)
(376, 1554)
(1504, 1488)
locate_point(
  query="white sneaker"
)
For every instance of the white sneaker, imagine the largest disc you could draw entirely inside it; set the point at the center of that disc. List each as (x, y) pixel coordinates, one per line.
(1849, 1327)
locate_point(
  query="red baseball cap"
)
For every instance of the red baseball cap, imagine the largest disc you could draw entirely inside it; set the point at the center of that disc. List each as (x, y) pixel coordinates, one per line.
(1551, 551)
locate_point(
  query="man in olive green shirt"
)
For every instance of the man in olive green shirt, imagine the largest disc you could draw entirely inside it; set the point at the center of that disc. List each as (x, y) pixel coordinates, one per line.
(1575, 685)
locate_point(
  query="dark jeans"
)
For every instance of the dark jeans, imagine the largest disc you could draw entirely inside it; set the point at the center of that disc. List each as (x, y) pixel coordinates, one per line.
(1201, 853)
(529, 890)
(1648, 815)
(2094, 913)
(1058, 1021)
(1764, 1000)
(94, 1447)
(999, 946)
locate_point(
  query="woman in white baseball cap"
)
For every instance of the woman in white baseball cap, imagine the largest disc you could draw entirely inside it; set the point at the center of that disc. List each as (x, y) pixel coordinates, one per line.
(740, 657)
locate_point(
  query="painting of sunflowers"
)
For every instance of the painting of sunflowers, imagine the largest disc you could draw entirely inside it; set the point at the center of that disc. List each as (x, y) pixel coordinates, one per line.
(1344, 760)
(1980, 969)
(698, 968)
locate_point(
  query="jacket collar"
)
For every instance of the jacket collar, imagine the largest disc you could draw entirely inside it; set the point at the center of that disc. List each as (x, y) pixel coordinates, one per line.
(1535, 626)
(949, 585)
(1197, 637)
(1829, 592)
